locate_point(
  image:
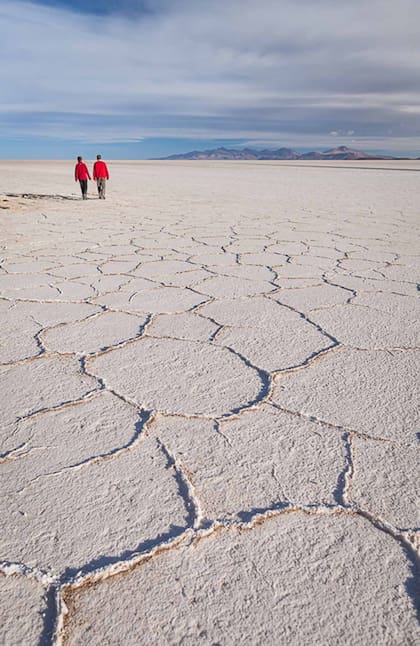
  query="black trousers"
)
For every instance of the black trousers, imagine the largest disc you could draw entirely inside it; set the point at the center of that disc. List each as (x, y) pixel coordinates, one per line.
(83, 185)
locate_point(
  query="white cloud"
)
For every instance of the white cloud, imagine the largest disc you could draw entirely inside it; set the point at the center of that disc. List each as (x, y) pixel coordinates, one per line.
(213, 69)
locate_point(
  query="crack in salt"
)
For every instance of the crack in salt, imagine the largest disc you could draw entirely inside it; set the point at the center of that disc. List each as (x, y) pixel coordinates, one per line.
(140, 430)
(337, 427)
(186, 488)
(342, 492)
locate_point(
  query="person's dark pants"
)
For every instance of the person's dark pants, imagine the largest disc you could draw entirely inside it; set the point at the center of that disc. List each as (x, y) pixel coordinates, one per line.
(101, 184)
(83, 186)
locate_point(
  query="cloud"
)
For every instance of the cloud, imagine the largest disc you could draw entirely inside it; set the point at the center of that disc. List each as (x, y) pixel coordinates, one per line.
(302, 68)
(342, 133)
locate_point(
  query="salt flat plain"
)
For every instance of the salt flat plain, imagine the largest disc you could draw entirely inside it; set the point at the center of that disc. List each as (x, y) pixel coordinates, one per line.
(209, 395)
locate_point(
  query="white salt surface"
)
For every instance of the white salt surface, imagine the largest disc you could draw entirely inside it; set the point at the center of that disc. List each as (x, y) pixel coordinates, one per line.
(209, 404)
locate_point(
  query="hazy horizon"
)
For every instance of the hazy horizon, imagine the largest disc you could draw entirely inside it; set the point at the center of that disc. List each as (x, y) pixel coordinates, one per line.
(150, 78)
(93, 151)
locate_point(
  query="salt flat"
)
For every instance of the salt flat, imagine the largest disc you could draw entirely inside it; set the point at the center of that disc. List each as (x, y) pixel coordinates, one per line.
(209, 395)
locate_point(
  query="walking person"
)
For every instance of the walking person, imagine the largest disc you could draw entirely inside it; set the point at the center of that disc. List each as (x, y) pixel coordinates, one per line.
(81, 174)
(101, 174)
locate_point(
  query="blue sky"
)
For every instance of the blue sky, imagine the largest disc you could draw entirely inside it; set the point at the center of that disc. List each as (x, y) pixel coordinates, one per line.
(147, 78)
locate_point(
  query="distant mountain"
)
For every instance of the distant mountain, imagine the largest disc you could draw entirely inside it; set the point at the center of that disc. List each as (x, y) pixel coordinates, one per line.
(342, 152)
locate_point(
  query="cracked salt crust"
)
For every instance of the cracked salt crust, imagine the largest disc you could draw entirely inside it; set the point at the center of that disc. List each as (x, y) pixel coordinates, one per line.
(265, 259)
(362, 327)
(68, 437)
(190, 279)
(175, 376)
(59, 291)
(376, 255)
(401, 312)
(317, 262)
(292, 283)
(231, 287)
(17, 335)
(386, 481)
(408, 272)
(107, 284)
(119, 267)
(295, 580)
(289, 343)
(94, 334)
(259, 459)
(224, 260)
(257, 312)
(10, 283)
(188, 326)
(164, 299)
(75, 271)
(250, 272)
(28, 267)
(360, 284)
(359, 265)
(296, 271)
(306, 299)
(357, 390)
(271, 336)
(41, 383)
(49, 314)
(357, 324)
(80, 519)
(251, 246)
(288, 248)
(163, 268)
(97, 482)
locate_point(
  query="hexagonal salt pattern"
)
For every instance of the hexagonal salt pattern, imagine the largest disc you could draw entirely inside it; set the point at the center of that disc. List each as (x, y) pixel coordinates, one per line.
(270, 335)
(374, 321)
(94, 334)
(70, 435)
(88, 517)
(357, 391)
(176, 376)
(209, 418)
(255, 461)
(45, 382)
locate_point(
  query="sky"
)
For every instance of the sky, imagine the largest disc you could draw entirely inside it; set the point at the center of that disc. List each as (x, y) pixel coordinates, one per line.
(135, 79)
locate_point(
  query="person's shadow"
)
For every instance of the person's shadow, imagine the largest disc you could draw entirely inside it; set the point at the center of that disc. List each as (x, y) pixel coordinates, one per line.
(41, 196)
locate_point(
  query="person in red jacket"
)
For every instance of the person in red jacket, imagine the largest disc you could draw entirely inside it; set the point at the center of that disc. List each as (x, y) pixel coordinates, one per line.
(101, 174)
(81, 174)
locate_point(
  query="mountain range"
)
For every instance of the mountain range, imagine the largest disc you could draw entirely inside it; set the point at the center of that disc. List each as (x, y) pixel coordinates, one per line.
(342, 152)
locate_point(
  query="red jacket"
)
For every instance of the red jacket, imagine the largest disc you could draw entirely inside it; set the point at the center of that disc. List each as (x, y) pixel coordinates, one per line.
(100, 170)
(81, 171)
